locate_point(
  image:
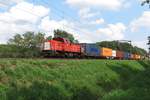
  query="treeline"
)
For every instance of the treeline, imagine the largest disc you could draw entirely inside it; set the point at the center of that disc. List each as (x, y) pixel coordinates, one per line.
(28, 45)
(14, 51)
(126, 47)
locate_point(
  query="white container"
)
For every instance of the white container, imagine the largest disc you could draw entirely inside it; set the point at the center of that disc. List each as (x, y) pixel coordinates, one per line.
(114, 53)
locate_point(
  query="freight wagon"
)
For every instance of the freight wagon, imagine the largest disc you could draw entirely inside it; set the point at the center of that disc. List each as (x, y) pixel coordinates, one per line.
(137, 57)
(127, 55)
(106, 52)
(132, 57)
(119, 54)
(114, 53)
(90, 50)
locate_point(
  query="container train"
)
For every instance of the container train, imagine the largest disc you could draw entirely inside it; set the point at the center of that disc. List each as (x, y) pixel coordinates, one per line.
(61, 47)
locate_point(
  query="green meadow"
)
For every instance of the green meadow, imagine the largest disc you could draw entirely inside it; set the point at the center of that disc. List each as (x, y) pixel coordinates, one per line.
(47, 79)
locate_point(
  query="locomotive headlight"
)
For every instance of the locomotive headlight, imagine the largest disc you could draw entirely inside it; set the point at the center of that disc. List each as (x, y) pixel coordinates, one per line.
(47, 46)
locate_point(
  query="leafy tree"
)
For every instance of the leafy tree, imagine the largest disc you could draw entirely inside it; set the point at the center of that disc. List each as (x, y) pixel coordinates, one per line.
(49, 38)
(126, 47)
(17, 40)
(39, 38)
(26, 45)
(145, 2)
(64, 34)
(27, 40)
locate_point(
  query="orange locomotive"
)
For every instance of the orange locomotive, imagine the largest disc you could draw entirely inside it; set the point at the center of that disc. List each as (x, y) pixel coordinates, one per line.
(61, 46)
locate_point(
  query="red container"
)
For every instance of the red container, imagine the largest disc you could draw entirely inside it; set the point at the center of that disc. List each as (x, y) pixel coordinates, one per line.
(119, 54)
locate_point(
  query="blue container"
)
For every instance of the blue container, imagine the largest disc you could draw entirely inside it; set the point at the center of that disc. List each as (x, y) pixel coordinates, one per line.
(91, 50)
(127, 55)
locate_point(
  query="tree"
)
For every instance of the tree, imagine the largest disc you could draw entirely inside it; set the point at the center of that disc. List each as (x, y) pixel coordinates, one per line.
(16, 40)
(27, 40)
(49, 38)
(26, 45)
(145, 2)
(126, 47)
(64, 34)
(39, 39)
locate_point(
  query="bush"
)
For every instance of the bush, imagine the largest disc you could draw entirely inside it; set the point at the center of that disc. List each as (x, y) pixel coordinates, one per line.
(13, 51)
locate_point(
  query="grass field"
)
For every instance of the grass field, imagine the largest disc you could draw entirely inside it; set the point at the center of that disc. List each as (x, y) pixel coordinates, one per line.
(43, 79)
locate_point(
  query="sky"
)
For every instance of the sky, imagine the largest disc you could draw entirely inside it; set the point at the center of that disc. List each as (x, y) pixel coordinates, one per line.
(88, 20)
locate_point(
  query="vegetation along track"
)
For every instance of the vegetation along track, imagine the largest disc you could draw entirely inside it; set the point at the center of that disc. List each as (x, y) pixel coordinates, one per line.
(43, 79)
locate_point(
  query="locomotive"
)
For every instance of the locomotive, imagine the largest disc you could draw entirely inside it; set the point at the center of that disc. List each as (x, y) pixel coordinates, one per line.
(62, 47)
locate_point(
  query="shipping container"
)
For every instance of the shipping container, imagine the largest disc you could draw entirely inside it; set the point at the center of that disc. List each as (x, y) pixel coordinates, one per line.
(106, 52)
(91, 50)
(132, 56)
(114, 53)
(119, 54)
(127, 55)
(137, 57)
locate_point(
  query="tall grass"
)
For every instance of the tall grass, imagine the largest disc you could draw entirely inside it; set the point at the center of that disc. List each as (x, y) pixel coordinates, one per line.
(36, 79)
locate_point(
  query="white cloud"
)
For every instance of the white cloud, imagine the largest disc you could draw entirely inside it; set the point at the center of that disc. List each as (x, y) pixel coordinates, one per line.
(104, 4)
(6, 3)
(28, 12)
(28, 17)
(21, 18)
(141, 22)
(16, 1)
(83, 35)
(86, 13)
(113, 31)
(141, 44)
(98, 21)
(92, 8)
(47, 25)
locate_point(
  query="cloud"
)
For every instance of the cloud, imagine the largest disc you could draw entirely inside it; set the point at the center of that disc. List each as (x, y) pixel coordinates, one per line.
(113, 31)
(6, 3)
(103, 4)
(141, 44)
(89, 9)
(28, 17)
(21, 18)
(86, 13)
(82, 34)
(142, 22)
(48, 25)
(98, 21)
